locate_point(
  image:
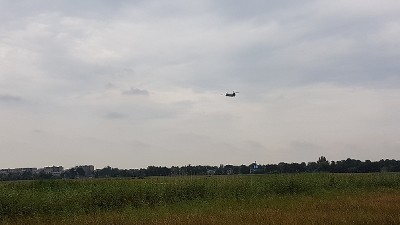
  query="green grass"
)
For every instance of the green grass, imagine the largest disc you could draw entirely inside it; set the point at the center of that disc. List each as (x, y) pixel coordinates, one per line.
(158, 199)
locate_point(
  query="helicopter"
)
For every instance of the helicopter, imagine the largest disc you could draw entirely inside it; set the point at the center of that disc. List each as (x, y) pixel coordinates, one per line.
(231, 95)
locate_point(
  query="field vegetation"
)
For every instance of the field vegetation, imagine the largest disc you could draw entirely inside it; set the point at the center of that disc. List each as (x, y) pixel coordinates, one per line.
(318, 198)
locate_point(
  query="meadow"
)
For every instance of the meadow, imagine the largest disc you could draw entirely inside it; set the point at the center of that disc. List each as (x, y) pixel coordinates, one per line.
(312, 198)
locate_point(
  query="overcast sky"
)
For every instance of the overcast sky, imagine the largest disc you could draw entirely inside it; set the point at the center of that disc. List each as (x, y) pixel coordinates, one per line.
(136, 83)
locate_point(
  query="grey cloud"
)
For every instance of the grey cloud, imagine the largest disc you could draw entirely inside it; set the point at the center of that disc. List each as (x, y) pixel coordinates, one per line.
(115, 115)
(37, 131)
(304, 146)
(135, 91)
(240, 10)
(78, 58)
(88, 9)
(109, 85)
(300, 48)
(305, 47)
(10, 98)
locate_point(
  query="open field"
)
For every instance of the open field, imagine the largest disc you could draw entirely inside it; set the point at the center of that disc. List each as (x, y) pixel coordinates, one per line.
(266, 199)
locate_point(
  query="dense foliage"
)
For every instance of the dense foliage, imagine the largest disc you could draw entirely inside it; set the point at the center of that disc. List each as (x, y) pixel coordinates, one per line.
(322, 165)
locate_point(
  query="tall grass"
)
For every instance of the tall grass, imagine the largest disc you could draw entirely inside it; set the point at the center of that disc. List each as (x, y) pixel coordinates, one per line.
(65, 197)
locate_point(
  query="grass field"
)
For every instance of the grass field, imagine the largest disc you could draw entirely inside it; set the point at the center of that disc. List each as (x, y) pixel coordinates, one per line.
(263, 199)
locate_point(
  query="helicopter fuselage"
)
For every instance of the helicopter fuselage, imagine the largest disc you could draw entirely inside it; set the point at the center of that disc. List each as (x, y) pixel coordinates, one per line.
(231, 95)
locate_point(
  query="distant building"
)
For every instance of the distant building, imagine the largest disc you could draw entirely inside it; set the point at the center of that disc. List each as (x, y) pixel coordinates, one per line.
(4, 171)
(53, 170)
(30, 170)
(89, 169)
(18, 171)
(254, 167)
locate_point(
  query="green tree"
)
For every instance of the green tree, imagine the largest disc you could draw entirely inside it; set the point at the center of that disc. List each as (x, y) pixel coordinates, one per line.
(71, 173)
(323, 164)
(80, 171)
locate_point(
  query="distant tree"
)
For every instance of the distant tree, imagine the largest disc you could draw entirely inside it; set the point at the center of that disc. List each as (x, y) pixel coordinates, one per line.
(109, 172)
(175, 170)
(158, 171)
(71, 173)
(303, 167)
(312, 167)
(80, 171)
(26, 175)
(321, 160)
(43, 175)
(271, 168)
(323, 164)
(296, 167)
(228, 169)
(244, 169)
(282, 167)
(367, 167)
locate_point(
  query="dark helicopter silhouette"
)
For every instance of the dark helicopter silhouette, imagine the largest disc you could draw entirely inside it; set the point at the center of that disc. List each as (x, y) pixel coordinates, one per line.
(231, 95)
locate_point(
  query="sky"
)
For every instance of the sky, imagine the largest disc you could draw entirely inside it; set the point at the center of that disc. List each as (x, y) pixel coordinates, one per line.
(131, 84)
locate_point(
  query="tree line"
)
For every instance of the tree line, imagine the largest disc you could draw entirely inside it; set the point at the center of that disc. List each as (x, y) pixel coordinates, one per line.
(321, 165)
